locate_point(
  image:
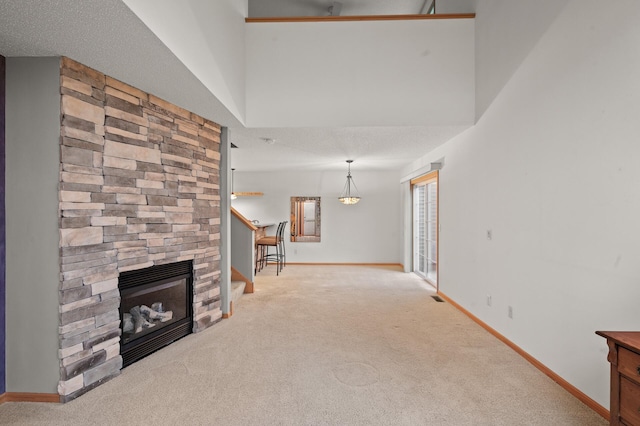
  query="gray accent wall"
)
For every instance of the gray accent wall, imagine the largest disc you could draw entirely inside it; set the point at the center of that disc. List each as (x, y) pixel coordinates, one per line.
(32, 175)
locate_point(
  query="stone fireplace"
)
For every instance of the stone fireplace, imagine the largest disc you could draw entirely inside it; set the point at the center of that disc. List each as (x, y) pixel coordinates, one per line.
(139, 188)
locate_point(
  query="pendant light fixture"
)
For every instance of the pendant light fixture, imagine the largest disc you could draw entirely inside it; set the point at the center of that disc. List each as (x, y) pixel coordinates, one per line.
(233, 194)
(347, 196)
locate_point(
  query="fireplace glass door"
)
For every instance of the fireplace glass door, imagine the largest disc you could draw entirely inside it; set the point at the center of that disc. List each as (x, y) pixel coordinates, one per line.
(152, 306)
(155, 308)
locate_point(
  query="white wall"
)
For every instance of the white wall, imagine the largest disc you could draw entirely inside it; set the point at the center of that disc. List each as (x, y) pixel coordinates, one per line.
(208, 37)
(380, 73)
(552, 169)
(367, 232)
(32, 156)
(455, 6)
(506, 31)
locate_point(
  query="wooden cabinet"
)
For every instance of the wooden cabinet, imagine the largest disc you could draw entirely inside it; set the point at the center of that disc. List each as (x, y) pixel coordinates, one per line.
(624, 356)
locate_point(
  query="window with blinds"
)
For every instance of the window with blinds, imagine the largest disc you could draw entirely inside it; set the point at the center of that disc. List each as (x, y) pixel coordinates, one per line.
(425, 226)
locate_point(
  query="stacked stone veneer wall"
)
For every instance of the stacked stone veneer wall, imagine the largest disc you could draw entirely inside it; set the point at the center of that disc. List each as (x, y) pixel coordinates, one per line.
(139, 185)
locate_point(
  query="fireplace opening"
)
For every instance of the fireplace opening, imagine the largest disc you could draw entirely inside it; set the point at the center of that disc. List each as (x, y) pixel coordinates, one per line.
(155, 308)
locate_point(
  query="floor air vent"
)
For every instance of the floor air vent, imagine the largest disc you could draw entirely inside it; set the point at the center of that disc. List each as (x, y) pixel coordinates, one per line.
(437, 298)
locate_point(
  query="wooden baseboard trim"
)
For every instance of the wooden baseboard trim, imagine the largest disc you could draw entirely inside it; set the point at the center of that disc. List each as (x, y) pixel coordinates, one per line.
(540, 366)
(29, 397)
(230, 313)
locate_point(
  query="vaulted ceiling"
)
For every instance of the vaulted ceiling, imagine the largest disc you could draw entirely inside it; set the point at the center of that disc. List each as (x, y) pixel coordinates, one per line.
(109, 36)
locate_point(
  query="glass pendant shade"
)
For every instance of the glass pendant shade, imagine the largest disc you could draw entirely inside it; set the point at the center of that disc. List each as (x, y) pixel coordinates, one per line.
(350, 191)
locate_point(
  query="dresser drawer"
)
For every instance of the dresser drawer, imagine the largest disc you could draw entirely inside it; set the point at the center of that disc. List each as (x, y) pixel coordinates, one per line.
(629, 364)
(629, 401)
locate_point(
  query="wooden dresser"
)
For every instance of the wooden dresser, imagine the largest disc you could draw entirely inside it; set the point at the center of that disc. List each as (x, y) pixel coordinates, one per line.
(624, 356)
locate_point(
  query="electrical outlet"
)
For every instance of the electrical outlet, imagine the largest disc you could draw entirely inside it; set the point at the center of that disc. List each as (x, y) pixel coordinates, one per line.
(488, 300)
(489, 234)
(510, 312)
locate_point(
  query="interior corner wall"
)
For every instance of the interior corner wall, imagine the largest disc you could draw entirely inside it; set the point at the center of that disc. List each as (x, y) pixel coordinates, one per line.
(3, 264)
(208, 37)
(551, 169)
(407, 226)
(506, 31)
(32, 280)
(367, 232)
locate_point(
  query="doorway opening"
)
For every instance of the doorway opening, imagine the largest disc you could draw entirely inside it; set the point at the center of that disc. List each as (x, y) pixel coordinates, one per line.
(425, 226)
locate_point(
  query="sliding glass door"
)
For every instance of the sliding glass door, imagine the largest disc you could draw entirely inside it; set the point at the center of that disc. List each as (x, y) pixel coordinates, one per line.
(425, 226)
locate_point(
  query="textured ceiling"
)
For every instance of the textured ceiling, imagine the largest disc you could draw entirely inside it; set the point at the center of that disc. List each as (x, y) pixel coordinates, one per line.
(372, 148)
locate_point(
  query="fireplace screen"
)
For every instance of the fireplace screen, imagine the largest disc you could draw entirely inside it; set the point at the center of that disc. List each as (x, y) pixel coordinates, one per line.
(155, 308)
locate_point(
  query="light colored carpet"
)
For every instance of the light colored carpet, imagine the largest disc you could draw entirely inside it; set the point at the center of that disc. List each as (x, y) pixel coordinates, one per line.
(327, 345)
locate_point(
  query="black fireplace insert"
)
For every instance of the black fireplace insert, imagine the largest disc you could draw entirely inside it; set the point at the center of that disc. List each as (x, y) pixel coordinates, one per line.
(155, 308)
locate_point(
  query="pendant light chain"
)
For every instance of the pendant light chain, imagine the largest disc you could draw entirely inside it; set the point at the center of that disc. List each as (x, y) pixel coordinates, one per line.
(347, 197)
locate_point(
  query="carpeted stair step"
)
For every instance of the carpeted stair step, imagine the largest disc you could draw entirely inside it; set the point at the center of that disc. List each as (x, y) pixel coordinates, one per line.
(237, 289)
